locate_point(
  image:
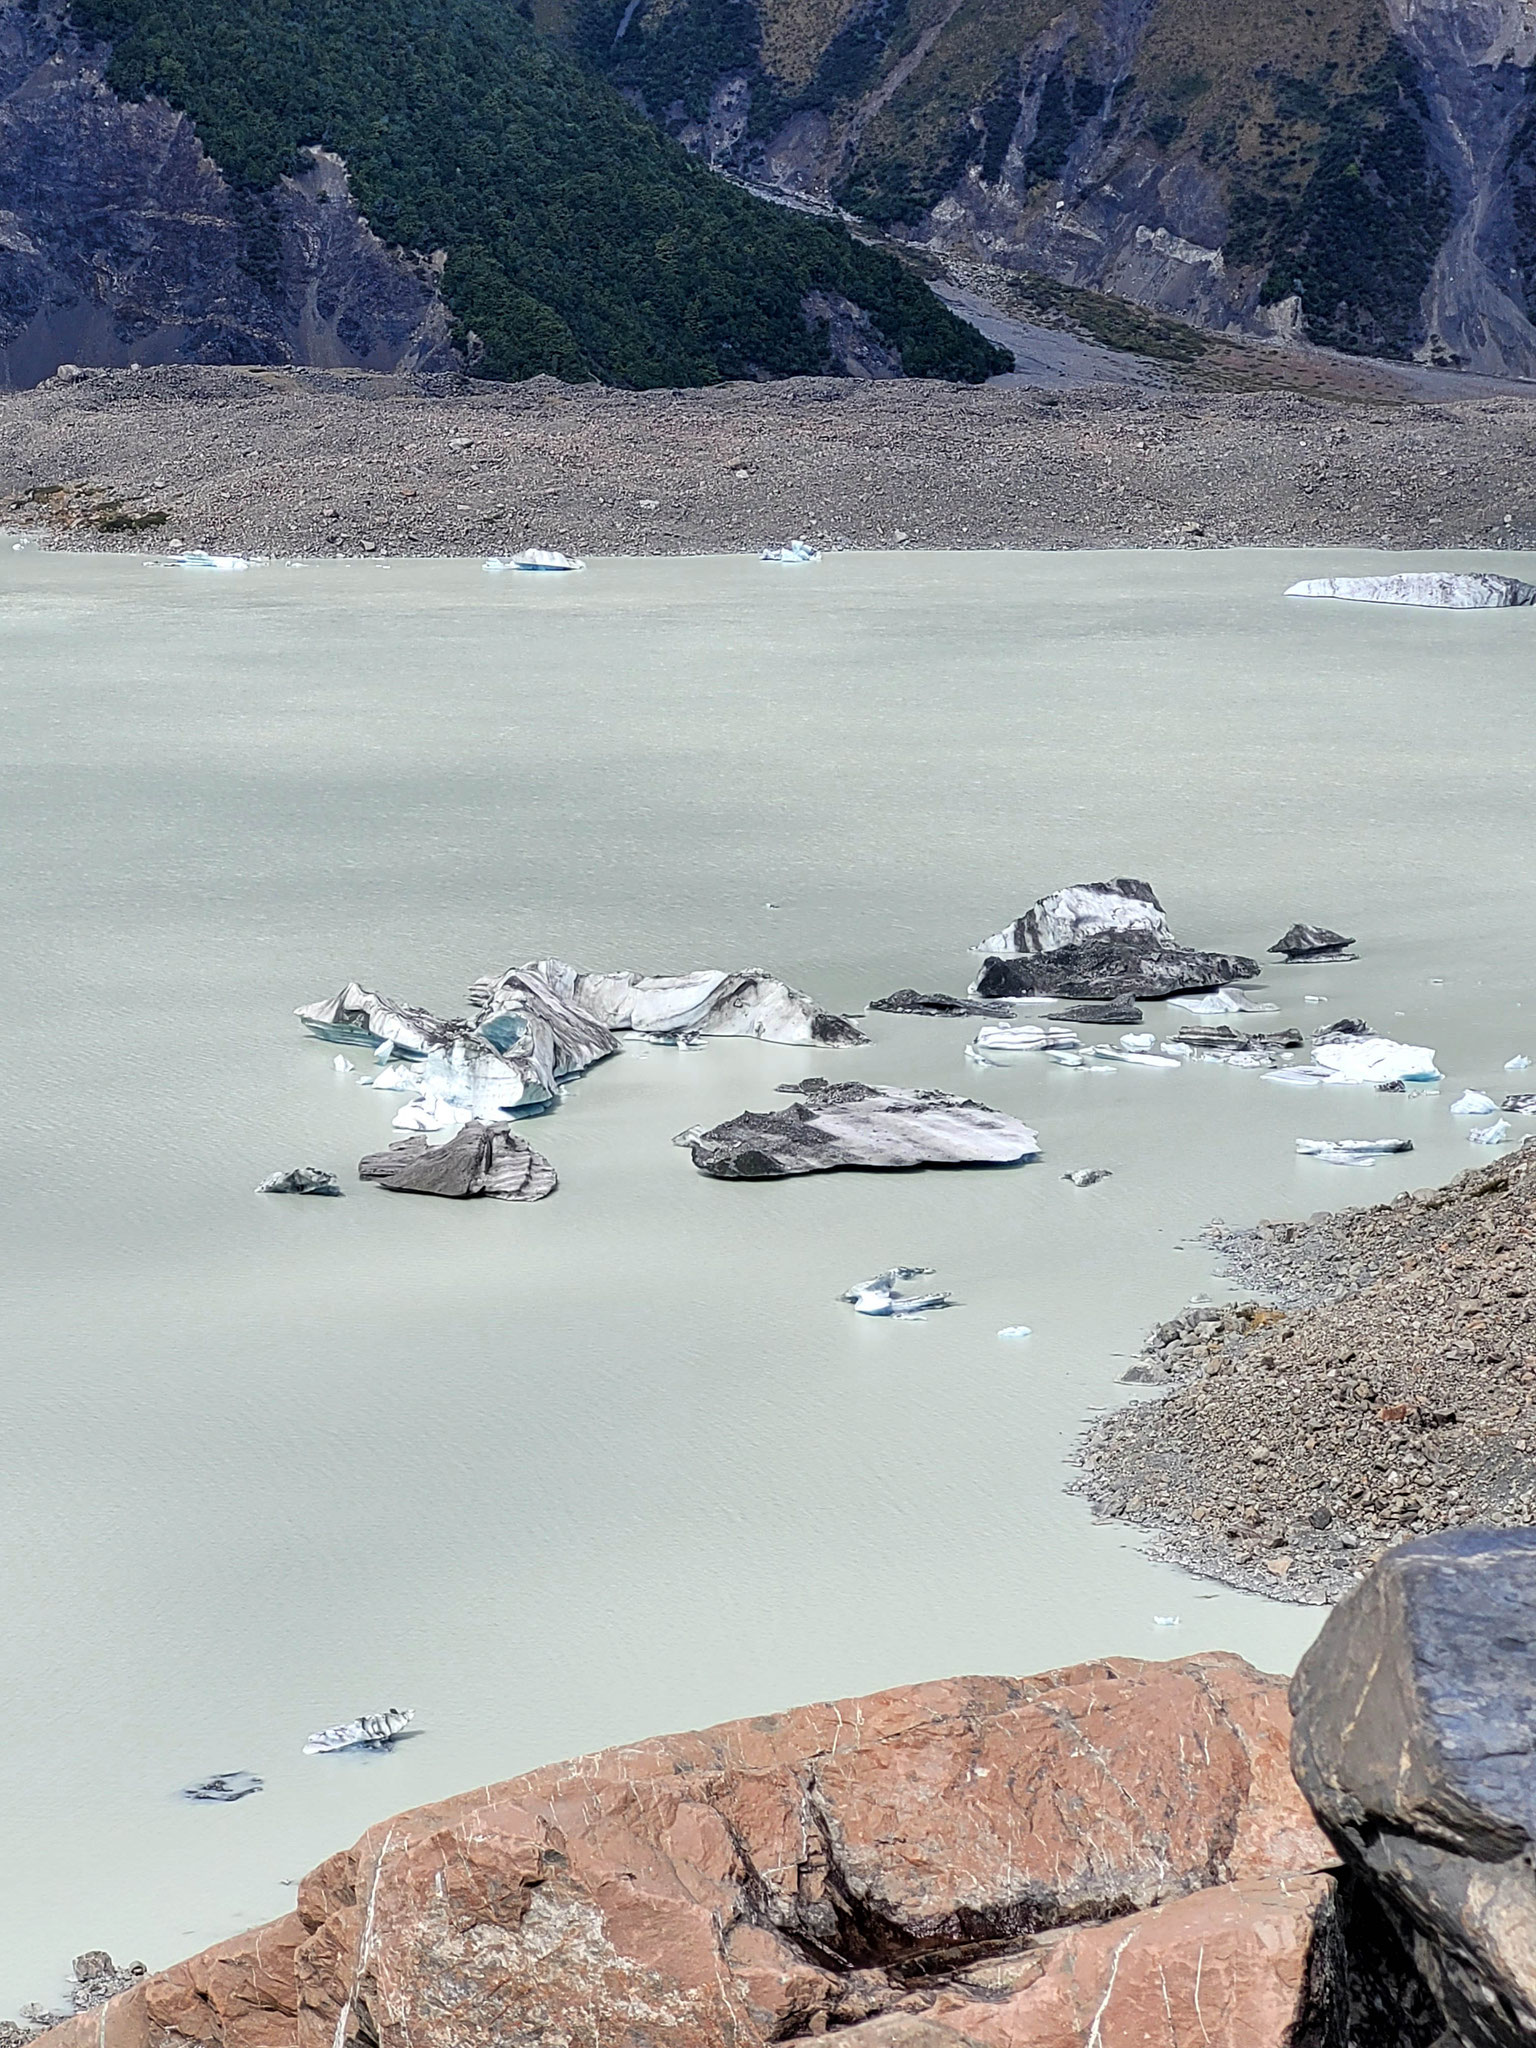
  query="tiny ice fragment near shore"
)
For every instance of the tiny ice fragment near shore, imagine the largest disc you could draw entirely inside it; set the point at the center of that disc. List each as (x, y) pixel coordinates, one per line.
(196, 559)
(792, 551)
(1474, 1103)
(1491, 1134)
(371, 1731)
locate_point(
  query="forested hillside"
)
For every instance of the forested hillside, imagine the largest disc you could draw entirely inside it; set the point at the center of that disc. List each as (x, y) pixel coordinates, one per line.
(574, 237)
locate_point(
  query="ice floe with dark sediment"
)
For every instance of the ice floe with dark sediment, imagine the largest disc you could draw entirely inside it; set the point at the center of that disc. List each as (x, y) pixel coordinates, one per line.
(480, 1159)
(1445, 589)
(712, 1003)
(849, 1124)
(1100, 941)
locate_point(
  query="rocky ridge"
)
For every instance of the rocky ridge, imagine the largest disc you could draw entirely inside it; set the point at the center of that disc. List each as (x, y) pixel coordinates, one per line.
(1386, 1386)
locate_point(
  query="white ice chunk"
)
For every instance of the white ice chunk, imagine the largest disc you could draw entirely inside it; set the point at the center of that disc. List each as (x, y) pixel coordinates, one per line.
(400, 1077)
(1027, 1038)
(1491, 1134)
(880, 1297)
(1474, 1103)
(1015, 1330)
(1300, 1077)
(1446, 589)
(1220, 1002)
(1368, 1062)
(792, 551)
(544, 558)
(372, 1729)
(1517, 1065)
(1138, 1041)
(196, 559)
(1350, 1151)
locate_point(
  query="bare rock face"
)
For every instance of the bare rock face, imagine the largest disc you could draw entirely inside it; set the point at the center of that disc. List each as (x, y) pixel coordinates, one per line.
(122, 242)
(1028, 1863)
(847, 1123)
(1415, 1740)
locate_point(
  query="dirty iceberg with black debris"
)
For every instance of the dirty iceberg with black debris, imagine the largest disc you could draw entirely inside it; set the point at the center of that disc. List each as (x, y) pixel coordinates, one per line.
(1312, 943)
(1445, 589)
(480, 1159)
(301, 1180)
(849, 1124)
(368, 1731)
(1101, 941)
(711, 1002)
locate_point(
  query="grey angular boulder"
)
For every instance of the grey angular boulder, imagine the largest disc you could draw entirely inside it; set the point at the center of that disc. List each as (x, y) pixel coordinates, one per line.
(1445, 589)
(480, 1159)
(1414, 1739)
(848, 1124)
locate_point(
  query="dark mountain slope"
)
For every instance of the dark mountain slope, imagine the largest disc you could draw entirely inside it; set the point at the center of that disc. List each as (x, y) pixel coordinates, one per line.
(564, 233)
(1359, 171)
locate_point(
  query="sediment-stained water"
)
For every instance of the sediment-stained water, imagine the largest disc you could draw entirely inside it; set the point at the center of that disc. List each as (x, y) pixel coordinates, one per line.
(621, 1462)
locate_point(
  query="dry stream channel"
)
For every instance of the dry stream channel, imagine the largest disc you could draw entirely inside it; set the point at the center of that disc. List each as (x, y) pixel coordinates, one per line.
(620, 1462)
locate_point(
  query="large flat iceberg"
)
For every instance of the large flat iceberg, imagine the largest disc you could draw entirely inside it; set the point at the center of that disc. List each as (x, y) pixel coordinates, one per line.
(1445, 589)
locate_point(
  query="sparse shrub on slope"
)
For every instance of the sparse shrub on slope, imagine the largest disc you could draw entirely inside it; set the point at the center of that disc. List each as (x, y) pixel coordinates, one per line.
(579, 240)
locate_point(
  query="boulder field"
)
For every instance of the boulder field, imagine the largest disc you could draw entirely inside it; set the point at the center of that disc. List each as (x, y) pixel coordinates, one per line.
(1116, 1855)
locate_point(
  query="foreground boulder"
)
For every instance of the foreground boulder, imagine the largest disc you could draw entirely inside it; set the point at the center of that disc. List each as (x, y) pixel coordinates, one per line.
(1113, 1853)
(847, 1123)
(1100, 942)
(1415, 1740)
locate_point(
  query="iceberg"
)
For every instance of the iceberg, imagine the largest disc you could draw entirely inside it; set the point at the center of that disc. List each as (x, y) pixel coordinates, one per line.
(1474, 1103)
(1098, 941)
(543, 558)
(792, 551)
(712, 1002)
(1350, 1151)
(1026, 1038)
(1086, 1176)
(1313, 943)
(1221, 1002)
(879, 1296)
(482, 1159)
(224, 1788)
(1490, 1134)
(301, 1180)
(195, 558)
(849, 1124)
(371, 1731)
(1447, 590)
(1370, 1061)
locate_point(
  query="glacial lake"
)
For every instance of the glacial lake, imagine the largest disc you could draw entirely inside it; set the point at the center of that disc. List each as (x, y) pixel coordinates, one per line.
(620, 1462)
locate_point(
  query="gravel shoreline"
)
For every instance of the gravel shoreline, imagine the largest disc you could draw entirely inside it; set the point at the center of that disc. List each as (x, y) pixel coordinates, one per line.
(315, 462)
(1385, 1387)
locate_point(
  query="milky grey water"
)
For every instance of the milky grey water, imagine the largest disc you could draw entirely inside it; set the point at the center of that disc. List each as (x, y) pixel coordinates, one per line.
(620, 1462)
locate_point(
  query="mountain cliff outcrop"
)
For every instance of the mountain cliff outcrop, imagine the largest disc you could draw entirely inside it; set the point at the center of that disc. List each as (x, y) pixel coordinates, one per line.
(1358, 172)
(390, 186)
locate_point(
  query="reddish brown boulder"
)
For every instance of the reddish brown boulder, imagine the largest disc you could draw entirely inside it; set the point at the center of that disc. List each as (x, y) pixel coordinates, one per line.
(774, 1877)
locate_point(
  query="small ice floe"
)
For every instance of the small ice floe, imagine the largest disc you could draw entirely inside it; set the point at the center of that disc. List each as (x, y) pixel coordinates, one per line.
(1299, 1077)
(342, 1064)
(792, 551)
(398, 1077)
(1137, 1059)
(1016, 1330)
(368, 1731)
(1519, 1105)
(1066, 1059)
(1165, 1621)
(1314, 999)
(1517, 1065)
(301, 1180)
(878, 1297)
(1350, 1151)
(1446, 590)
(1217, 1003)
(225, 1788)
(195, 558)
(1474, 1103)
(1137, 1041)
(1491, 1134)
(542, 558)
(1085, 1176)
(1373, 1060)
(1313, 943)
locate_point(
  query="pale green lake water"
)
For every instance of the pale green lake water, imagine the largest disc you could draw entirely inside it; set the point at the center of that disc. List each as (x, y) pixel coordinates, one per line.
(620, 1463)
